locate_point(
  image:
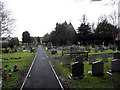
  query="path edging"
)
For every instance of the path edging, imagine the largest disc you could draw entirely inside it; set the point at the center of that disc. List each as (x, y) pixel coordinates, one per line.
(28, 71)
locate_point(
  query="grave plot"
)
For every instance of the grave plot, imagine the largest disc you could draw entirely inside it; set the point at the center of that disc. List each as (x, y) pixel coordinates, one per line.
(105, 57)
(92, 58)
(115, 66)
(13, 69)
(66, 61)
(98, 68)
(77, 71)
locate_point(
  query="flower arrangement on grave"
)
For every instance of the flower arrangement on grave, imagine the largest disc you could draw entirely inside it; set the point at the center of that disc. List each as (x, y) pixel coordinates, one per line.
(15, 68)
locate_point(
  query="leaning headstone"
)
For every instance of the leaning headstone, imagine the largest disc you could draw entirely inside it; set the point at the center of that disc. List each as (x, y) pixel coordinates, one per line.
(117, 55)
(77, 69)
(98, 68)
(92, 58)
(105, 58)
(115, 65)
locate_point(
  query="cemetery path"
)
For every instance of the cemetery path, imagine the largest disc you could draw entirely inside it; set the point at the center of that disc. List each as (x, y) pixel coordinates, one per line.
(41, 74)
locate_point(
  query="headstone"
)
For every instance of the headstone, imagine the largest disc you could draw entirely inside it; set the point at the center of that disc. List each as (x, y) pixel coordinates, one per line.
(66, 61)
(79, 58)
(54, 52)
(20, 50)
(82, 50)
(92, 58)
(115, 65)
(96, 49)
(110, 55)
(105, 58)
(97, 68)
(101, 48)
(117, 55)
(118, 47)
(77, 69)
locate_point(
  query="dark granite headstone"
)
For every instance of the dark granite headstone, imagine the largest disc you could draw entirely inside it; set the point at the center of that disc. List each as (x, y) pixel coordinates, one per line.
(54, 52)
(77, 69)
(97, 68)
(115, 65)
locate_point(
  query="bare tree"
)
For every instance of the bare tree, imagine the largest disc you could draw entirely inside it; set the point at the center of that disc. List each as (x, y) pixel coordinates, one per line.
(6, 21)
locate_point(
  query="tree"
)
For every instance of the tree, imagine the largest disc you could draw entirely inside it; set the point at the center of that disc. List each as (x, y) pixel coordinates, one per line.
(45, 38)
(64, 34)
(6, 21)
(84, 31)
(38, 39)
(106, 31)
(13, 41)
(26, 37)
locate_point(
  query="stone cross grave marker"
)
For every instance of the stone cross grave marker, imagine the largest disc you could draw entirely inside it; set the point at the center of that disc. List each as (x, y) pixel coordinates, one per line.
(97, 68)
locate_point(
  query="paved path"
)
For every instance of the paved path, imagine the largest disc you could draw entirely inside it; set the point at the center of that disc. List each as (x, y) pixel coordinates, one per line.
(42, 75)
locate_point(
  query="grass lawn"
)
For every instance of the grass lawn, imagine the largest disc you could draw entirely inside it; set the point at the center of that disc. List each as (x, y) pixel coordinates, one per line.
(59, 52)
(106, 81)
(23, 65)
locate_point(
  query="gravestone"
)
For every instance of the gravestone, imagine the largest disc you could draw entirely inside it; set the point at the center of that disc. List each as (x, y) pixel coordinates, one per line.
(117, 55)
(20, 50)
(66, 61)
(79, 58)
(105, 57)
(118, 47)
(54, 52)
(96, 49)
(82, 50)
(115, 65)
(97, 68)
(77, 69)
(31, 50)
(101, 48)
(110, 55)
(92, 58)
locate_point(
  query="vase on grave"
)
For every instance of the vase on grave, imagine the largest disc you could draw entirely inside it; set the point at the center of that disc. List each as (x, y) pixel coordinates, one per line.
(77, 69)
(115, 65)
(117, 55)
(97, 68)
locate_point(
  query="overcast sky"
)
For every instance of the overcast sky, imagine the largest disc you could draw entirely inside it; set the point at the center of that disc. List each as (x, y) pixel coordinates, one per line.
(40, 16)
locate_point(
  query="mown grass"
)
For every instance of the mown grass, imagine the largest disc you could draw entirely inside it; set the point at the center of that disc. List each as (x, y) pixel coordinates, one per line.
(106, 81)
(23, 63)
(59, 52)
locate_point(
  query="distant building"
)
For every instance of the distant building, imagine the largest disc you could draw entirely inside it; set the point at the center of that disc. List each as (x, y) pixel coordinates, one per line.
(118, 36)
